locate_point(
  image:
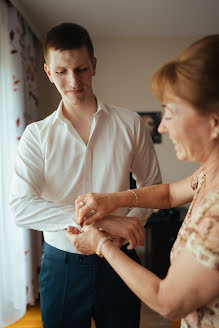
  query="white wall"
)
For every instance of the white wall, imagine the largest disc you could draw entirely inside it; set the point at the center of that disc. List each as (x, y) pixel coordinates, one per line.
(124, 71)
(48, 96)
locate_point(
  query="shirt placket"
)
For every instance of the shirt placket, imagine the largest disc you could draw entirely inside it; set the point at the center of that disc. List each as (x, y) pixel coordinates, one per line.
(87, 176)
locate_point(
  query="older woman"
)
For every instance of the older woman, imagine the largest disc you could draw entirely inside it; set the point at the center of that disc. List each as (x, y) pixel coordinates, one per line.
(189, 90)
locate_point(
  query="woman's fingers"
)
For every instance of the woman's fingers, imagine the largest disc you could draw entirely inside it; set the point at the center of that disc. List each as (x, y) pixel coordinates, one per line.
(86, 206)
(128, 228)
(87, 214)
(132, 241)
(95, 206)
(141, 235)
(135, 233)
(79, 205)
(91, 219)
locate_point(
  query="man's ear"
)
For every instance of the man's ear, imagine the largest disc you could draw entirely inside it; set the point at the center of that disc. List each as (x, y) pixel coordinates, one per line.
(47, 70)
(94, 65)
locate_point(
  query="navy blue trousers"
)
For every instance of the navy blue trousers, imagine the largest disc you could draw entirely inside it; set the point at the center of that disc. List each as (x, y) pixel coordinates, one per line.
(74, 288)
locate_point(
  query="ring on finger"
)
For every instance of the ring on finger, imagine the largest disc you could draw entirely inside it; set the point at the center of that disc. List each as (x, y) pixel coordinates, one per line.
(82, 203)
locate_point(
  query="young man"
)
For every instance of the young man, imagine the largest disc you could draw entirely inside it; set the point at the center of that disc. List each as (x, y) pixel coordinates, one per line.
(83, 146)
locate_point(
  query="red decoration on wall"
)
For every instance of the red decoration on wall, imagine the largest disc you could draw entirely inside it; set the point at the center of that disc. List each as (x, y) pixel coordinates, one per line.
(18, 122)
(16, 82)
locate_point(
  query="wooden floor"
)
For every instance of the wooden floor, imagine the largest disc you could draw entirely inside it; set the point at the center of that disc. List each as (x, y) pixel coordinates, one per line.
(32, 319)
(149, 318)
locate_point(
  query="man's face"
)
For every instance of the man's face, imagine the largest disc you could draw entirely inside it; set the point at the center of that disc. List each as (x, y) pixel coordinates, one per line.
(71, 71)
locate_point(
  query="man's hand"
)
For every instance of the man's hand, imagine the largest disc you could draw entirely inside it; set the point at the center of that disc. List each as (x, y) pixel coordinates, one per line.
(128, 228)
(86, 240)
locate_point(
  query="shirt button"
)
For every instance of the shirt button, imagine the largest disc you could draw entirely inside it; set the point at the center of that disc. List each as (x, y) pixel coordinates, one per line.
(80, 259)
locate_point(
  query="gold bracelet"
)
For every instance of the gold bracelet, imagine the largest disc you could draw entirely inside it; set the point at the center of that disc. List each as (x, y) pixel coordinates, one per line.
(136, 197)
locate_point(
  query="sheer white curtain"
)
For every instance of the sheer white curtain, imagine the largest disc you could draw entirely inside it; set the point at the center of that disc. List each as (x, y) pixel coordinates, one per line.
(19, 248)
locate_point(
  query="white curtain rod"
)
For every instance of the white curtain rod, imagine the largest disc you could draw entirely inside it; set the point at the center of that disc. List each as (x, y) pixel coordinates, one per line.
(29, 20)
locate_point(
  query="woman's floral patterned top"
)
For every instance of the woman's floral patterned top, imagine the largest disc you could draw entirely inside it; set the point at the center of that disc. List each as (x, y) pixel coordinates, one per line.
(200, 234)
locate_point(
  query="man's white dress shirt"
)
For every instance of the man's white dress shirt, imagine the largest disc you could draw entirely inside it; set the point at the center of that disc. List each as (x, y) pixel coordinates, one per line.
(54, 167)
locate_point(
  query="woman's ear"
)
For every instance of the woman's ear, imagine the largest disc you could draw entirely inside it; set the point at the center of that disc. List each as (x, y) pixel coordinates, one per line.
(215, 126)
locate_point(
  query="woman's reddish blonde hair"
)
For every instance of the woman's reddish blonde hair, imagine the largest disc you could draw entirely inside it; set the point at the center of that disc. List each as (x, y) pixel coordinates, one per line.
(193, 76)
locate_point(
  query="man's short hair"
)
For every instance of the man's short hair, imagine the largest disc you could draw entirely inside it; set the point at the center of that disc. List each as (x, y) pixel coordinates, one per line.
(67, 36)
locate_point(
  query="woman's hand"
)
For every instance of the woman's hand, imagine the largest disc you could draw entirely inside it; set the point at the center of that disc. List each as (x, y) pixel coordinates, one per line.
(85, 241)
(125, 227)
(91, 207)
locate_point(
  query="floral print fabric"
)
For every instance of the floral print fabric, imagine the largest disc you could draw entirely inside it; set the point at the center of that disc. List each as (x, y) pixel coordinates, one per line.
(200, 234)
(25, 110)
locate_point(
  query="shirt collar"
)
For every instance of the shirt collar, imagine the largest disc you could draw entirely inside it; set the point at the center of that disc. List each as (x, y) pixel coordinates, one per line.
(58, 116)
(101, 106)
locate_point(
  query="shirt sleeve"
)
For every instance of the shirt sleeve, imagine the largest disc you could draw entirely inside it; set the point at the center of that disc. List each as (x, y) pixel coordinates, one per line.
(28, 207)
(145, 167)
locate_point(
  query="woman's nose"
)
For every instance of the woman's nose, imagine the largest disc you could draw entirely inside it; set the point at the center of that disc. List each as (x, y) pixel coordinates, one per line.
(162, 127)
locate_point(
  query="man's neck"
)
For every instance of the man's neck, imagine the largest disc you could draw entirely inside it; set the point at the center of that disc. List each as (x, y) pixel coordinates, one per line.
(83, 110)
(81, 117)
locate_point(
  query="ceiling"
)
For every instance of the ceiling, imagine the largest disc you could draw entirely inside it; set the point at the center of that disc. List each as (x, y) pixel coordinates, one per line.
(126, 18)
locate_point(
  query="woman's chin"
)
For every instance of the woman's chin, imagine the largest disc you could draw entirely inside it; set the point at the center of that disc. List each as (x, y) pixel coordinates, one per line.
(181, 156)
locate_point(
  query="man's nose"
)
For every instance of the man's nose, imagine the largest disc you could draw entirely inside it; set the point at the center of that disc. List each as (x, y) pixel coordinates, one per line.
(73, 78)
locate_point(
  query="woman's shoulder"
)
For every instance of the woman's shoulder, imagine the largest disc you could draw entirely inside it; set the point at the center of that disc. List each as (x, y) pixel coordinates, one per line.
(197, 178)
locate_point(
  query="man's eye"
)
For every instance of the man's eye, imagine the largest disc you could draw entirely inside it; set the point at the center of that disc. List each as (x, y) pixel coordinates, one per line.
(82, 69)
(60, 72)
